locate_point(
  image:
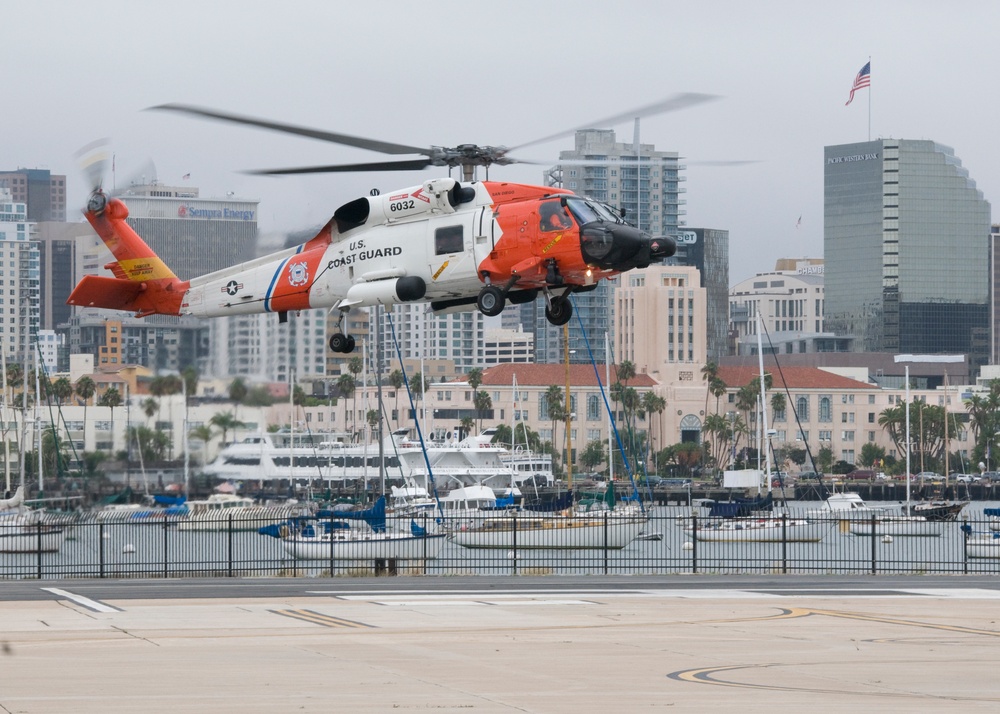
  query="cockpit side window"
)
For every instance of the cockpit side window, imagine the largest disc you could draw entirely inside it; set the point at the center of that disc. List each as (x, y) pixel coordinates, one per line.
(552, 217)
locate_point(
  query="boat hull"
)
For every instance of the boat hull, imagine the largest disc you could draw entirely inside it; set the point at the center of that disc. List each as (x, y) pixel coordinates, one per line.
(897, 526)
(983, 547)
(373, 546)
(759, 530)
(553, 532)
(31, 539)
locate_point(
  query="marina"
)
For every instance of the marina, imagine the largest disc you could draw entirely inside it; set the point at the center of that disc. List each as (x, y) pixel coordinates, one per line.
(101, 549)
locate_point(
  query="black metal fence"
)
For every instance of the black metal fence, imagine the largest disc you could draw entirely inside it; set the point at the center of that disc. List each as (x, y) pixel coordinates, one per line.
(665, 543)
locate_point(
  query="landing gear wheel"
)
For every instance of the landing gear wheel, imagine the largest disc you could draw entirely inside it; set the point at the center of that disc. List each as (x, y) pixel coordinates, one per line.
(341, 343)
(559, 312)
(491, 301)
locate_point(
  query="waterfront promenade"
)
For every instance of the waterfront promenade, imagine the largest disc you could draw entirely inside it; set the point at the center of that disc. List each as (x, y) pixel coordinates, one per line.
(557, 644)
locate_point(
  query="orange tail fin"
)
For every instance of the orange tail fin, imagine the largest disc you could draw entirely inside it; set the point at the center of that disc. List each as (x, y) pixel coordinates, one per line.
(143, 283)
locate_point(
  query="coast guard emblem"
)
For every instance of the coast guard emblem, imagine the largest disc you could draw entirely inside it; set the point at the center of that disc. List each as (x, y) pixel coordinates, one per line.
(298, 274)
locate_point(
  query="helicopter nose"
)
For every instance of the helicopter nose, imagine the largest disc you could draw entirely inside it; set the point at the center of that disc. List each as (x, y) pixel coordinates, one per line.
(619, 247)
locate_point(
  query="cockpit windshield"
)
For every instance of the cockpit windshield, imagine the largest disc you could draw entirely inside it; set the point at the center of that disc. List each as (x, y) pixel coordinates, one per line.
(590, 211)
(583, 211)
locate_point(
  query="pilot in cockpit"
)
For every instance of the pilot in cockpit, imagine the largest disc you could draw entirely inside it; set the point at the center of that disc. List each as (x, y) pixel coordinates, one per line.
(553, 217)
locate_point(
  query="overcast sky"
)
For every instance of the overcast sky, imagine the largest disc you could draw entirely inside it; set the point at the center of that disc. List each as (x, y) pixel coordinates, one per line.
(446, 73)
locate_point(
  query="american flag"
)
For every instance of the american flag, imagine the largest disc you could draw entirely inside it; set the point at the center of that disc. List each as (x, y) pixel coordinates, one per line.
(861, 81)
(185, 177)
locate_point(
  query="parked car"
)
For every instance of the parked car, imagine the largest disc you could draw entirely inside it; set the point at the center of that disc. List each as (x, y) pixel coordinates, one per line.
(929, 476)
(966, 478)
(860, 475)
(676, 482)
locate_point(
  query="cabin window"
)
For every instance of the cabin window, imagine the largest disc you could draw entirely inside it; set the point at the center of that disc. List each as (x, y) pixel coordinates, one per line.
(449, 239)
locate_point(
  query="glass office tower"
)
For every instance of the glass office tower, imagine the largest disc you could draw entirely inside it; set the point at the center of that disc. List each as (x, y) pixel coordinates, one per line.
(906, 236)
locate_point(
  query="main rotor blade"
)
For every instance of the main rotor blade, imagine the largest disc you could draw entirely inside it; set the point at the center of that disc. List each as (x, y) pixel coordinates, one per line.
(410, 165)
(670, 104)
(384, 147)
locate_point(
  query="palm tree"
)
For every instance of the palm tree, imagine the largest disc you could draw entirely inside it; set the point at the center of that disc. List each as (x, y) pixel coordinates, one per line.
(397, 381)
(554, 404)
(482, 403)
(475, 378)
(984, 420)
(111, 398)
(224, 421)
(85, 388)
(204, 434)
(710, 373)
(62, 390)
(345, 387)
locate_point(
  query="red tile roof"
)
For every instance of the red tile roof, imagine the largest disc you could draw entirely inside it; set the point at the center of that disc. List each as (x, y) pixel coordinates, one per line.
(792, 377)
(543, 375)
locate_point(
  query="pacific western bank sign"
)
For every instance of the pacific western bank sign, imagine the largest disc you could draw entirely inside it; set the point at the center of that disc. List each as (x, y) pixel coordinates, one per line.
(855, 157)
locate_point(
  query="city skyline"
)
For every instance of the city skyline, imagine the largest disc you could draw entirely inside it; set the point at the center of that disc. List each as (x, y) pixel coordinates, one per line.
(782, 87)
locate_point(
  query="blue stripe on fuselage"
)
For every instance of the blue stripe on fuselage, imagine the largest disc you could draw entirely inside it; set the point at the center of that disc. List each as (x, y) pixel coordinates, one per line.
(270, 288)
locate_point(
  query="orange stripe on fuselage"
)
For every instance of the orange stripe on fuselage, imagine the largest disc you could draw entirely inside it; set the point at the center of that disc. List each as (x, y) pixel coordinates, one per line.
(295, 279)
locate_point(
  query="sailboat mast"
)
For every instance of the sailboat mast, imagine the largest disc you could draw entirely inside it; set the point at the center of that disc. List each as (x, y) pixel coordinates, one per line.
(763, 405)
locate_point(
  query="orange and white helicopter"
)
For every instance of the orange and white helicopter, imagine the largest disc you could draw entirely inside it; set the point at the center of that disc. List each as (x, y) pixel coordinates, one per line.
(450, 243)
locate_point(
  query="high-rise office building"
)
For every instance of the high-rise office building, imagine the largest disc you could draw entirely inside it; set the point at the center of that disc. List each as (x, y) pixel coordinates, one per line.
(19, 277)
(906, 242)
(707, 249)
(193, 235)
(42, 192)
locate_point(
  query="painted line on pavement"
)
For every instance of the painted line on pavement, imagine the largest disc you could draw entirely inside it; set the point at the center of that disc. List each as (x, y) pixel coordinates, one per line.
(84, 601)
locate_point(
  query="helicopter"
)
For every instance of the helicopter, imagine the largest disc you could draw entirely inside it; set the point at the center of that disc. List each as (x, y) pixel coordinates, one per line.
(456, 245)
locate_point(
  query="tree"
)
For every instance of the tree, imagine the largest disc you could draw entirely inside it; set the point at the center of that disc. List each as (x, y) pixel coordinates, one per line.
(482, 403)
(710, 373)
(372, 418)
(475, 378)
(688, 455)
(467, 424)
(225, 422)
(872, 455)
(111, 398)
(238, 390)
(984, 421)
(62, 390)
(204, 434)
(150, 407)
(593, 454)
(824, 459)
(345, 388)
(190, 377)
(396, 381)
(653, 403)
(85, 388)
(554, 405)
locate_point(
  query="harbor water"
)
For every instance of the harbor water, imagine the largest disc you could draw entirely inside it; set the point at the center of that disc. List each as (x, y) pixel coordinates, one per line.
(160, 549)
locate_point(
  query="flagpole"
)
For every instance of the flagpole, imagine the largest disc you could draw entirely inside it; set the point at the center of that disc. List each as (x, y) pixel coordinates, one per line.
(869, 99)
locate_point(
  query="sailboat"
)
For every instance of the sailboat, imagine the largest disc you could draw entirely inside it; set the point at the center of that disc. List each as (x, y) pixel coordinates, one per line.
(334, 536)
(743, 526)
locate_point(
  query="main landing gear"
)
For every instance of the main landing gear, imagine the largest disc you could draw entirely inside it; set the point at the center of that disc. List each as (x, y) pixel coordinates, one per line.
(558, 310)
(340, 341)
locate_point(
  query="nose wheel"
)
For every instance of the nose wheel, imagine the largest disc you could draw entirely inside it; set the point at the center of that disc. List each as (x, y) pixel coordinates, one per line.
(559, 311)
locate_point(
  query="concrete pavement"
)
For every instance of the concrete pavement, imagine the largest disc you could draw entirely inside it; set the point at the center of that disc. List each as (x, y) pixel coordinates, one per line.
(505, 650)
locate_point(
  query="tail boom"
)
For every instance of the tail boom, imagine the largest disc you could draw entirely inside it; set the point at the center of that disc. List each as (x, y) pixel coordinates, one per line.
(142, 282)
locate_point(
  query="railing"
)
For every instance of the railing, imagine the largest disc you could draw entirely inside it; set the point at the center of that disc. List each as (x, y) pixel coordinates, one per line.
(666, 544)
